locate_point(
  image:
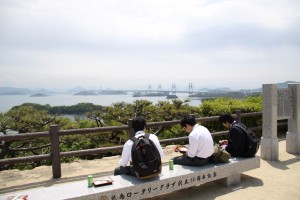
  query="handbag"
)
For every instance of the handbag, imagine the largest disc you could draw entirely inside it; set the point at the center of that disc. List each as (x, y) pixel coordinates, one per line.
(220, 155)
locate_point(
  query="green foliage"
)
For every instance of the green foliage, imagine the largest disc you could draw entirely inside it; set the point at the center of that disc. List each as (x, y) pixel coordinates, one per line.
(28, 119)
(169, 111)
(4, 122)
(80, 108)
(219, 106)
(35, 106)
(230, 105)
(36, 118)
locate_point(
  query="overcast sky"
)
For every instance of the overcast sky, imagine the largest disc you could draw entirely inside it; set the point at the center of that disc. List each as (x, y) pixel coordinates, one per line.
(131, 44)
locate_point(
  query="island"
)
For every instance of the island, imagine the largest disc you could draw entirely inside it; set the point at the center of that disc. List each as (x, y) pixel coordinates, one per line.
(39, 95)
(86, 93)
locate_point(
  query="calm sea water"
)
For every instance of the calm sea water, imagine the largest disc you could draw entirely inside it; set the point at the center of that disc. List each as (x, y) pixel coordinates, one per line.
(8, 101)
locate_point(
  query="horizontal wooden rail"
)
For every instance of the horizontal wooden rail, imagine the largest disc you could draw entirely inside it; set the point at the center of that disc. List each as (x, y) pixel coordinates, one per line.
(90, 151)
(94, 130)
(55, 133)
(25, 159)
(24, 136)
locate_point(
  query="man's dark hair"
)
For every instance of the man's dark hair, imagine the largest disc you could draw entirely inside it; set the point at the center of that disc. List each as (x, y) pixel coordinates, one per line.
(138, 123)
(188, 119)
(226, 118)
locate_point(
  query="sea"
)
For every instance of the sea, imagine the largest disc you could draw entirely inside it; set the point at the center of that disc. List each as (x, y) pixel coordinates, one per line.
(9, 101)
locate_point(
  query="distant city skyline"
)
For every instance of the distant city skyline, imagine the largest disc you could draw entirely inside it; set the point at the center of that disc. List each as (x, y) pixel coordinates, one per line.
(131, 44)
(189, 89)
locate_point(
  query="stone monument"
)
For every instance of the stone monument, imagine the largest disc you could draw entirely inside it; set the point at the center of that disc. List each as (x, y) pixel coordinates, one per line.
(280, 104)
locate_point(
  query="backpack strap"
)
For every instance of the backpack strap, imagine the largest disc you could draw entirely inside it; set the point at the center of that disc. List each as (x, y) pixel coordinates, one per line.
(240, 126)
(133, 139)
(146, 135)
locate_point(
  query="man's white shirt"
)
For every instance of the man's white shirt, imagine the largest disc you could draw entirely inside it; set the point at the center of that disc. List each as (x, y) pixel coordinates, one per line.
(126, 153)
(200, 142)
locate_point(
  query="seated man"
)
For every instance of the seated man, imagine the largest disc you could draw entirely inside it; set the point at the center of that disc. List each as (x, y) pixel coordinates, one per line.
(138, 125)
(236, 139)
(201, 145)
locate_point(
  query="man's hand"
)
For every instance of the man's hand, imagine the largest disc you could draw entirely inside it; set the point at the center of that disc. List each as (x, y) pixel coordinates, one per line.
(223, 142)
(186, 153)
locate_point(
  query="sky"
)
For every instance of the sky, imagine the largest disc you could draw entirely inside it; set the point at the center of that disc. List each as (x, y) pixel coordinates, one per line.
(135, 44)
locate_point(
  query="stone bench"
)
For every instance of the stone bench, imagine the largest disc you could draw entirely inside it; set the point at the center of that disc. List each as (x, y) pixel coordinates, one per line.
(127, 187)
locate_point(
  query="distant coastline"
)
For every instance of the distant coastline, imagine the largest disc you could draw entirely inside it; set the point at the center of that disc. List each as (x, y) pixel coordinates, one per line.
(77, 90)
(9, 101)
(10, 97)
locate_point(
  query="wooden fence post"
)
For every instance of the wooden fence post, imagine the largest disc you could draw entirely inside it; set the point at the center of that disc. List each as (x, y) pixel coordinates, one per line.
(238, 116)
(131, 132)
(55, 151)
(193, 115)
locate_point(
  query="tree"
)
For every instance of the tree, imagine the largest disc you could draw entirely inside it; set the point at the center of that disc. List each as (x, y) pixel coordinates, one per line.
(21, 120)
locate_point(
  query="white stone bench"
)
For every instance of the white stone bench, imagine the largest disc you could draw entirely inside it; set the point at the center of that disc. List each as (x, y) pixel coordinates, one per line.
(127, 187)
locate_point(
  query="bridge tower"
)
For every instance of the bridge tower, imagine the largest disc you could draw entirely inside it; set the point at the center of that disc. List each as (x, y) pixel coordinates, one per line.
(190, 88)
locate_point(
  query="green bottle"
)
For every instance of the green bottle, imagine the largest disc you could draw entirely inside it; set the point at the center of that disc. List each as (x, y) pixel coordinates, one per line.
(171, 164)
(90, 181)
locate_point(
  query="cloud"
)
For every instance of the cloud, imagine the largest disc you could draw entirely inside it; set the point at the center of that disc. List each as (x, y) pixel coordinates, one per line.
(130, 42)
(131, 24)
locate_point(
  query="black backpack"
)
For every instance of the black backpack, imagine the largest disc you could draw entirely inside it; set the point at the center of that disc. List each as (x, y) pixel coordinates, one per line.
(252, 143)
(146, 159)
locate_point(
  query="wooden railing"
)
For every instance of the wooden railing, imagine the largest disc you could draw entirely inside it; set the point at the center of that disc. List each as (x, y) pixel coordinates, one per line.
(54, 134)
